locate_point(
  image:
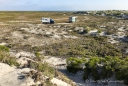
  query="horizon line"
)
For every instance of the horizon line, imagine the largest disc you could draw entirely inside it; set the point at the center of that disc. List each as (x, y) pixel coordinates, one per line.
(55, 10)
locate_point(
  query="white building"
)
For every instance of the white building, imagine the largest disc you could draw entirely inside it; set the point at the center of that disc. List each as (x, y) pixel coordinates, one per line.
(125, 16)
(72, 19)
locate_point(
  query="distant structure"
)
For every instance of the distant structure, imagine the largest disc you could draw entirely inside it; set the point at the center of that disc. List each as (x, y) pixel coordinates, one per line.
(103, 14)
(72, 19)
(125, 16)
(47, 21)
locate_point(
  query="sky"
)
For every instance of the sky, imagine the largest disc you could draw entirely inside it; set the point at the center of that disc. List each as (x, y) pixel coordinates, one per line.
(62, 5)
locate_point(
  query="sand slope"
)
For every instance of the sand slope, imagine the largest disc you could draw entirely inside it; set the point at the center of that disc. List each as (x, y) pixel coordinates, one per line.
(10, 76)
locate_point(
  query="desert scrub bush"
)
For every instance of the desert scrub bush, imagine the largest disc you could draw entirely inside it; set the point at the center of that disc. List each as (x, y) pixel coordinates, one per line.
(19, 46)
(36, 48)
(42, 67)
(48, 70)
(64, 78)
(5, 57)
(99, 30)
(83, 47)
(37, 54)
(121, 70)
(75, 64)
(4, 48)
(109, 32)
(39, 57)
(12, 61)
(100, 68)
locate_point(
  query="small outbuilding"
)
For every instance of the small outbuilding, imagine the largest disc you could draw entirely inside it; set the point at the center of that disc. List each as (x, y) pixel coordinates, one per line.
(72, 19)
(125, 16)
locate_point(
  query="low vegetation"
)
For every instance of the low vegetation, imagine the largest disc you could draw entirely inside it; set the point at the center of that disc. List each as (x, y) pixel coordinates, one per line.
(100, 68)
(6, 58)
(85, 46)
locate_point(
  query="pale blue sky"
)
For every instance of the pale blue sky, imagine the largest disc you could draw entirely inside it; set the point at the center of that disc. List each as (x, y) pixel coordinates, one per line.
(62, 5)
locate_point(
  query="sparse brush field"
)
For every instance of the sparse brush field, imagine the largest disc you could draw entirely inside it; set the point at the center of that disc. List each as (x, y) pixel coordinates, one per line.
(33, 17)
(84, 47)
(25, 42)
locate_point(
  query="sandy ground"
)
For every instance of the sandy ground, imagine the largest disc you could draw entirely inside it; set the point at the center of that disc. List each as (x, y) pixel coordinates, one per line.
(59, 82)
(92, 31)
(54, 60)
(63, 23)
(10, 76)
(19, 21)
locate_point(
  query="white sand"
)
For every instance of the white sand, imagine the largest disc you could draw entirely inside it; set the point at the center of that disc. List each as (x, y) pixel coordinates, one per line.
(10, 76)
(63, 23)
(3, 43)
(25, 54)
(55, 60)
(5, 69)
(92, 31)
(59, 82)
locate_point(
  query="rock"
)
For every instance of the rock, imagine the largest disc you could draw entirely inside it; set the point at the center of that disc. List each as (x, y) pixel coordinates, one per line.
(3, 43)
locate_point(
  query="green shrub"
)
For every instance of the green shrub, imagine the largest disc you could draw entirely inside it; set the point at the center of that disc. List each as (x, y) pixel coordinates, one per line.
(4, 48)
(42, 67)
(6, 58)
(101, 67)
(39, 57)
(11, 61)
(36, 49)
(75, 64)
